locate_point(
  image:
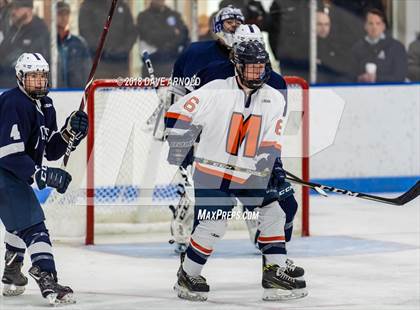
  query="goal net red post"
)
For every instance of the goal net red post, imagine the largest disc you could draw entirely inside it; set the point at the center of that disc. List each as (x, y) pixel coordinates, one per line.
(122, 183)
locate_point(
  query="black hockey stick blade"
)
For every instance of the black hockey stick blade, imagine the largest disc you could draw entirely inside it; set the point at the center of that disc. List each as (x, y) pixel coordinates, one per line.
(411, 194)
(408, 196)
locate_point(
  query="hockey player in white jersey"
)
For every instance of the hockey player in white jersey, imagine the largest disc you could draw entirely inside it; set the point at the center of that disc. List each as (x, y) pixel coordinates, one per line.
(227, 29)
(182, 222)
(195, 58)
(240, 121)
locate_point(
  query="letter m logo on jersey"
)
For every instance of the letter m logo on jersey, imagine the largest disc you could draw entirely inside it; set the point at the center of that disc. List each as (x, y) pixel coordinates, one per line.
(243, 133)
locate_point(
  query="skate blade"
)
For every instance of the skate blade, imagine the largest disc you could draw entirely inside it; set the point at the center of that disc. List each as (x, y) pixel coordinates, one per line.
(276, 294)
(184, 293)
(65, 300)
(13, 290)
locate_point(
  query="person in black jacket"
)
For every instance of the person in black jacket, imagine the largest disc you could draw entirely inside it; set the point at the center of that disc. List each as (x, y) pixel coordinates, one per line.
(120, 39)
(333, 61)
(289, 36)
(74, 61)
(344, 13)
(378, 57)
(27, 33)
(163, 33)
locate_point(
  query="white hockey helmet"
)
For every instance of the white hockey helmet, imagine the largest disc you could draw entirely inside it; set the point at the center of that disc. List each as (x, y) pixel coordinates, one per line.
(224, 14)
(248, 33)
(32, 62)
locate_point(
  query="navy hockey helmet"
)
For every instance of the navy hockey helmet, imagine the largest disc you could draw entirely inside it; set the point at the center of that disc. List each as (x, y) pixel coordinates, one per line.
(252, 63)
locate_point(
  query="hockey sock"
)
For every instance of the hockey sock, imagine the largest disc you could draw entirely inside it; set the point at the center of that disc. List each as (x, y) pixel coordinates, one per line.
(204, 237)
(38, 242)
(271, 240)
(15, 244)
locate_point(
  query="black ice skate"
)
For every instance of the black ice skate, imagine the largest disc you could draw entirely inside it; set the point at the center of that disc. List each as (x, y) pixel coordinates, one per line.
(280, 286)
(191, 288)
(294, 271)
(50, 289)
(13, 279)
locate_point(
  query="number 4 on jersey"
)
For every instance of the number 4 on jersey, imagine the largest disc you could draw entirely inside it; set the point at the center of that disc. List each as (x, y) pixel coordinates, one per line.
(14, 133)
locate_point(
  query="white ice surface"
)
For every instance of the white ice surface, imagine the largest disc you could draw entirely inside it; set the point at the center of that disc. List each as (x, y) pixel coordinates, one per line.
(362, 255)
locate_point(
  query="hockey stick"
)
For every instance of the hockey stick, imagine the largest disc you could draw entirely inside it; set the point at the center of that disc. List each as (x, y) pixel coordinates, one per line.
(157, 113)
(217, 164)
(95, 63)
(408, 196)
(185, 175)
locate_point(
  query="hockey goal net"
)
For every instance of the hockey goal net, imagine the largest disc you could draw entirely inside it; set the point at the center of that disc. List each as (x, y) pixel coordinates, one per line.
(122, 183)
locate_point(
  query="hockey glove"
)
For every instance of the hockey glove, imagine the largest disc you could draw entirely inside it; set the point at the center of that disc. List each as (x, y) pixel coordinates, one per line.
(276, 183)
(285, 190)
(181, 148)
(77, 124)
(52, 177)
(278, 175)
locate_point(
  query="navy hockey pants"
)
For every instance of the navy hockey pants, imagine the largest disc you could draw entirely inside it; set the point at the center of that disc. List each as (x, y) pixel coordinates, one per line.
(19, 207)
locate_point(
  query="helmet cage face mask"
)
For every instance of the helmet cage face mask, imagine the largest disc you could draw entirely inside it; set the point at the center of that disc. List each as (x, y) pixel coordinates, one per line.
(248, 57)
(30, 83)
(227, 13)
(32, 63)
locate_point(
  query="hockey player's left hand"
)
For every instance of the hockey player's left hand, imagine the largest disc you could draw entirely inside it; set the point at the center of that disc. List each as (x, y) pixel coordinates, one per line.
(78, 124)
(277, 185)
(278, 175)
(274, 165)
(52, 177)
(277, 188)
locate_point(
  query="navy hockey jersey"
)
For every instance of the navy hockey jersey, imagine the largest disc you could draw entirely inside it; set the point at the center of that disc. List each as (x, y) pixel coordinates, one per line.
(196, 57)
(28, 132)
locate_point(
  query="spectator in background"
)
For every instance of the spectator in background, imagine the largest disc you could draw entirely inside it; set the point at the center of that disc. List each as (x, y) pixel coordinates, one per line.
(378, 57)
(347, 18)
(333, 65)
(288, 30)
(204, 26)
(253, 11)
(4, 18)
(73, 54)
(288, 36)
(414, 60)
(28, 33)
(163, 33)
(121, 37)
